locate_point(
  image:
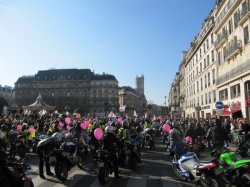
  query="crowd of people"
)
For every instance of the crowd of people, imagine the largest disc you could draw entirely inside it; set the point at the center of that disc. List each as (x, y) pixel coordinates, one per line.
(215, 131)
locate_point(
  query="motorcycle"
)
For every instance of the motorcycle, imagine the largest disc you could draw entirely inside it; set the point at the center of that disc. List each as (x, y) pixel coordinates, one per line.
(187, 167)
(18, 171)
(21, 148)
(67, 156)
(149, 139)
(244, 147)
(234, 171)
(131, 152)
(105, 165)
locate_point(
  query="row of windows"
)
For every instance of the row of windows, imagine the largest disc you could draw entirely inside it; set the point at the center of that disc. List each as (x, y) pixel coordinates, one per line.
(61, 77)
(207, 98)
(234, 93)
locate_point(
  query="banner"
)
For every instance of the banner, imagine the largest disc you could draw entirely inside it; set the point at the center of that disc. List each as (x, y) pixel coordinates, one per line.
(122, 108)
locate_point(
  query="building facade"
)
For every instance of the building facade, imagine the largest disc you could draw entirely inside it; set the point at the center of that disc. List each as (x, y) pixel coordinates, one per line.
(73, 90)
(217, 65)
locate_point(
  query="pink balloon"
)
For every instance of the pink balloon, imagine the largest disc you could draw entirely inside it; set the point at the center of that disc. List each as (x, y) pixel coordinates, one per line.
(67, 120)
(189, 139)
(87, 123)
(98, 133)
(120, 120)
(166, 127)
(109, 122)
(19, 127)
(68, 128)
(61, 124)
(32, 129)
(83, 126)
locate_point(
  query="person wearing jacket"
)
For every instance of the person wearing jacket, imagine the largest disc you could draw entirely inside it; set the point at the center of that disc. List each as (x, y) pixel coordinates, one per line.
(217, 134)
(44, 149)
(110, 142)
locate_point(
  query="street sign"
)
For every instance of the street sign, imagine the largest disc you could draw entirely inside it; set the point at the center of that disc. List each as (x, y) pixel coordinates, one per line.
(219, 105)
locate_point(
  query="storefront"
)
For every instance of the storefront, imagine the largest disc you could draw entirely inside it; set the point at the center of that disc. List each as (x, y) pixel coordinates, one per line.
(235, 110)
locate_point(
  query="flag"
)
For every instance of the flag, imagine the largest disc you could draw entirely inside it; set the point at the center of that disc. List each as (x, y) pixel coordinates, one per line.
(111, 115)
(135, 114)
(154, 118)
(122, 108)
(146, 115)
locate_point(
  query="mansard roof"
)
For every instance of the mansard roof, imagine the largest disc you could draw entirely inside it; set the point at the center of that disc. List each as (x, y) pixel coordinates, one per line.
(103, 77)
(25, 79)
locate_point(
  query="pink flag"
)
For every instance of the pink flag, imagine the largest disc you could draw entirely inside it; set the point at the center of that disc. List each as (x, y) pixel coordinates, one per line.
(135, 114)
(146, 115)
(122, 108)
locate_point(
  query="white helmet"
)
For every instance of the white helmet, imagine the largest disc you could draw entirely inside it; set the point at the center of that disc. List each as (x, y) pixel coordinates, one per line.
(109, 129)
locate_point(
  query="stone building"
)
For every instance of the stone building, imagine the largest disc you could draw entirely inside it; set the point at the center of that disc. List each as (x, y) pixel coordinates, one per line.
(73, 90)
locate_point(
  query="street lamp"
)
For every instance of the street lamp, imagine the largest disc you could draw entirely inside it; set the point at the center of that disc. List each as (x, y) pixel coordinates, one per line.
(165, 101)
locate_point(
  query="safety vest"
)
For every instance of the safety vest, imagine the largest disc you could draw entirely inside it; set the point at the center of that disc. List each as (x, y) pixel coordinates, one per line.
(32, 135)
(90, 127)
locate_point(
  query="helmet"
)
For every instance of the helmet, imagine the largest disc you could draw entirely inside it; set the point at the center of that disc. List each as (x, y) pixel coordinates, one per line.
(125, 124)
(24, 126)
(218, 122)
(191, 125)
(13, 127)
(4, 127)
(175, 124)
(109, 129)
(56, 136)
(138, 129)
(96, 124)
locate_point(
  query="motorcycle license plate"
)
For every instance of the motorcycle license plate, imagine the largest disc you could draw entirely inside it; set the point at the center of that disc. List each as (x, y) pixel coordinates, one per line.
(17, 144)
(100, 164)
(127, 151)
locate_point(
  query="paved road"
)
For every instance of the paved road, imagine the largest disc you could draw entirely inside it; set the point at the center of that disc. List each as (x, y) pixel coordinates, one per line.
(155, 170)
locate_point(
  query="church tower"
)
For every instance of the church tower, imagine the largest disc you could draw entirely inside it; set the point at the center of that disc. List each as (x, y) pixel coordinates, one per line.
(140, 85)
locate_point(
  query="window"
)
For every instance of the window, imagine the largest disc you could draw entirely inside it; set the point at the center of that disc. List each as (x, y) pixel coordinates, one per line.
(45, 77)
(201, 84)
(208, 60)
(200, 67)
(53, 94)
(209, 97)
(246, 35)
(235, 91)
(197, 86)
(204, 47)
(212, 55)
(207, 43)
(200, 53)
(214, 96)
(197, 70)
(213, 75)
(219, 58)
(208, 79)
(201, 99)
(68, 94)
(223, 95)
(230, 26)
(212, 38)
(224, 53)
(205, 77)
(205, 98)
(205, 64)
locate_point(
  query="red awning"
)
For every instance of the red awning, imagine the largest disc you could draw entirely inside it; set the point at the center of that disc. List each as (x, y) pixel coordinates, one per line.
(213, 116)
(225, 113)
(233, 111)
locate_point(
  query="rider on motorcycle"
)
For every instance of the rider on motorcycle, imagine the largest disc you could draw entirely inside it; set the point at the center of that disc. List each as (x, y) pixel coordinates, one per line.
(109, 142)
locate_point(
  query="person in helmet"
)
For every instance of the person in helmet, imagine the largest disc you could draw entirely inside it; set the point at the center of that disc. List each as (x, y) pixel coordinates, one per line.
(124, 133)
(13, 136)
(190, 131)
(44, 149)
(110, 142)
(217, 134)
(4, 129)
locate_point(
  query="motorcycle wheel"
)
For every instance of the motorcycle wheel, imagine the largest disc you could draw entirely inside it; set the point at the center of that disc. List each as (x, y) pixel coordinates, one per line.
(177, 174)
(210, 182)
(28, 183)
(80, 162)
(61, 171)
(103, 174)
(131, 162)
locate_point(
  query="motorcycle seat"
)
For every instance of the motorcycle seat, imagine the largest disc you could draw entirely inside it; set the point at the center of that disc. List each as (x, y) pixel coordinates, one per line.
(207, 159)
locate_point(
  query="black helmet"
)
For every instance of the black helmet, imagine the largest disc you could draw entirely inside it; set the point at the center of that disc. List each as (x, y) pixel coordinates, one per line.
(13, 127)
(4, 127)
(125, 124)
(218, 122)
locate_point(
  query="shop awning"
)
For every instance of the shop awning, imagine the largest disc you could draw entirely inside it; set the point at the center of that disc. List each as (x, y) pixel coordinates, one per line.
(213, 116)
(234, 111)
(225, 113)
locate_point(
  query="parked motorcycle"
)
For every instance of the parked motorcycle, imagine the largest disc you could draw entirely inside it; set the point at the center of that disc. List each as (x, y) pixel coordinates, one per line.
(21, 148)
(234, 171)
(67, 156)
(187, 167)
(244, 147)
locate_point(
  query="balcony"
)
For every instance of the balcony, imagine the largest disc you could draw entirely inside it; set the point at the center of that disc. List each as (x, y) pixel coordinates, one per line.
(239, 70)
(221, 39)
(234, 49)
(244, 15)
(225, 14)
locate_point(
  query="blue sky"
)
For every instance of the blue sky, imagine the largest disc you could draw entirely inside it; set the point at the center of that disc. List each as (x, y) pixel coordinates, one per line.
(125, 38)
